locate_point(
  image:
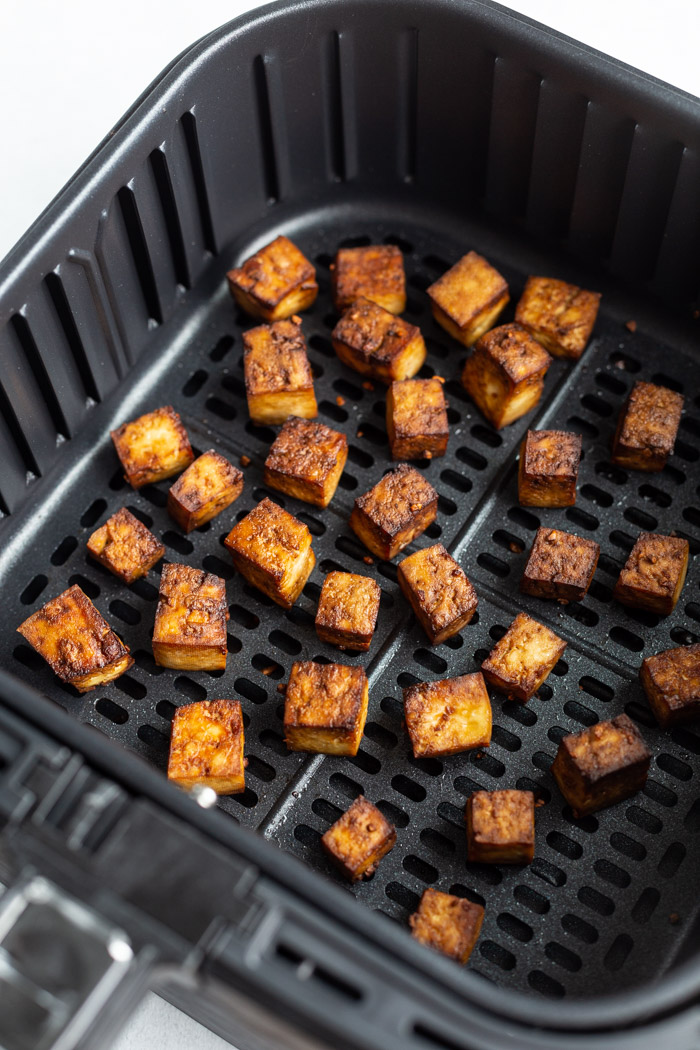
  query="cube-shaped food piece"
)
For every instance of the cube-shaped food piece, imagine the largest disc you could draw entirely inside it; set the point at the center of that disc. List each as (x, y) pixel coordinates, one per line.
(272, 549)
(375, 343)
(440, 594)
(560, 566)
(275, 283)
(501, 827)
(306, 460)
(468, 299)
(190, 626)
(647, 427)
(671, 681)
(206, 747)
(325, 708)
(76, 641)
(359, 839)
(375, 272)
(654, 574)
(559, 315)
(347, 610)
(520, 662)
(207, 487)
(125, 546)
(391, 515)
(451, 925)
(278, 379)
(548, 468)
(504, 376)
(601, 765)
(416, 418)
(446, 717)
(152, 447)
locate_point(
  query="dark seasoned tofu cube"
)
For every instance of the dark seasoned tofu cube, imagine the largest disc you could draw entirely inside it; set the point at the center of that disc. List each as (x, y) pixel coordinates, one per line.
(440, 594)
(525, 655)
(125, 546)
(278, 379)
(501, 827)
(560, 566)
(325, 708)
(559, 315)
(448, 924)
(190, 626)
(468, 299)
(647, 427)
(374, 273)
(347, 610)
(654, 574)
(504, 376)
(272, 550)
(671, 681)
(449, 716)
(416, 418)
(375, 343)
(76, 641)
(398, 508)
(275, 283)
(207, 487)
(548, 468)
(601, 765)
(152, 447)
(306, 460)
(359, 839)
(206, 747)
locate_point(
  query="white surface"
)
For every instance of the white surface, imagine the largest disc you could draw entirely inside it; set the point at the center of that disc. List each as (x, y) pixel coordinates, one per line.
(157, 1025)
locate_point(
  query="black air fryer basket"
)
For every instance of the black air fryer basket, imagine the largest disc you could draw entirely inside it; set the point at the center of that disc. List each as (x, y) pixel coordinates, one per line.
(437, 126)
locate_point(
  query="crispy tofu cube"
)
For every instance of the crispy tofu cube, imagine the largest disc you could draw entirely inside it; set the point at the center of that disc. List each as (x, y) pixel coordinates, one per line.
(501, 827)
(375, 343)
(207, 487)
(125, 546)
(560, 566)
(416, 418)
(601, 765)
(449, 716)
(325, 708)
(306, 460)
(152, 447)
(272, 550)
(359, 839)
(647, 427)
(278, 380)
(347, 610)
(76, 641)
(206, 747)
(391, 515)
(190, 626)
(548, 468)
(654, 574)
(440, 594)
(451, 925)
(671, 681)
(468, 299)
(275, 283)
(375, 273)
(525, 655)
(504, 376)
(559, 315)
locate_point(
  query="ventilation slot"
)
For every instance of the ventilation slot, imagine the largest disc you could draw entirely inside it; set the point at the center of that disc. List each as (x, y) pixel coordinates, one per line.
(267, 142)
(408, 65)
(189, 127)
(41, 376)
(58, 296)
(164, 185)
(335, 123)
(139, 251)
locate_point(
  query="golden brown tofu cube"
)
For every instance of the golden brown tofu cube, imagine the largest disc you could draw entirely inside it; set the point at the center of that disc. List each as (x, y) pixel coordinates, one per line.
(375, 343)
(654, 574)
(306, 460)
(206, 747)
(359, 839)
(525, 655)
(278, 380)
(601, 765)
(448, 924)
(671, 681)
(375, 273)
(501, 827)
(647, 427)
(275, 283)
(190, 626)
(560, 566)
(468, 299)
(125, 546)
(76, 641)
(440, 594)
(416, 418)
(207, 487)
(449, 716)
(559, 315)
(504, 376)
(391, 515)
(152, 447)
(325, 708)
(272, 550)
(347, 610)
(548, 468)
